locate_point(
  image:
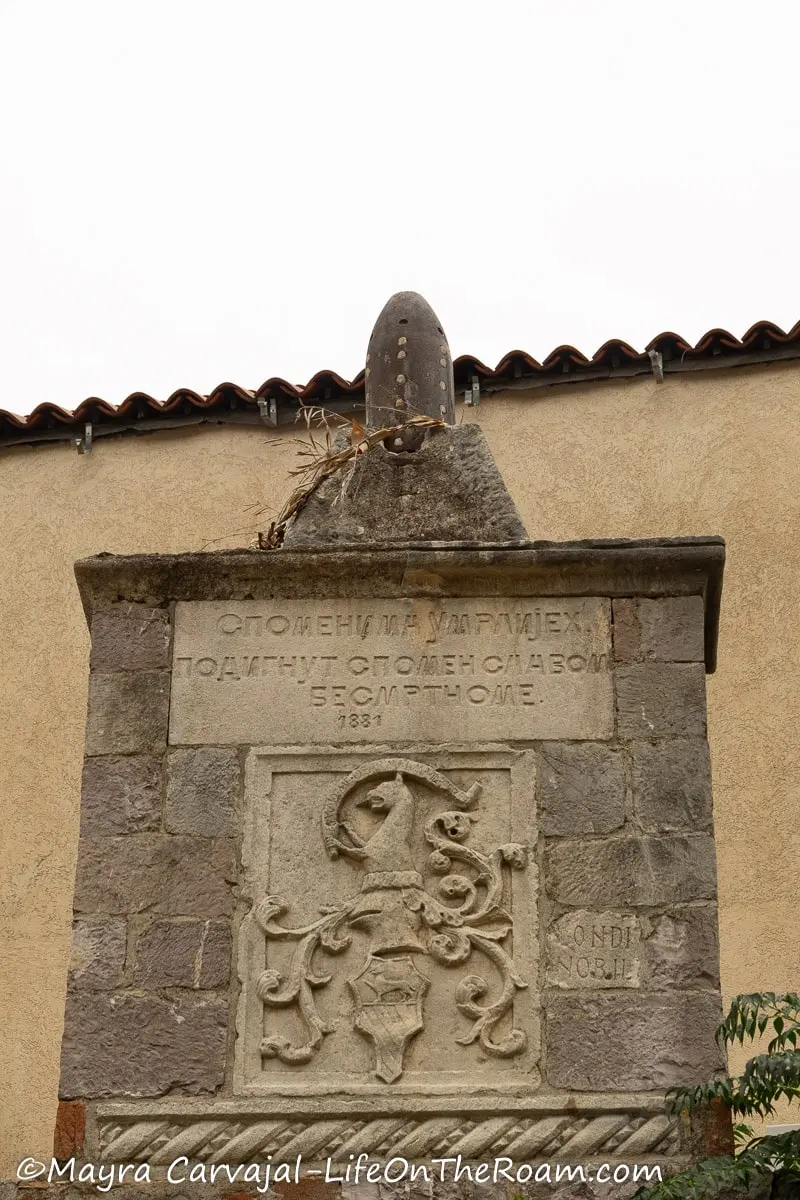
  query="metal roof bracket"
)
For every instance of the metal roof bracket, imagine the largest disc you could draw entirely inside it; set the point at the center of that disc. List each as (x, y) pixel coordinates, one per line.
(472, 396)
(84, 444)
(268, 410)
(657, 363)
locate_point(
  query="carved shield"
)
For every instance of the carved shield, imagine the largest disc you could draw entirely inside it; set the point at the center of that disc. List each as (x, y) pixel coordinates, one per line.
(388, 994)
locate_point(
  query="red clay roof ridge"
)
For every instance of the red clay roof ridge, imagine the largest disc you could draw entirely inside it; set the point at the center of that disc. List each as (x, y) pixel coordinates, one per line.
(761, 340)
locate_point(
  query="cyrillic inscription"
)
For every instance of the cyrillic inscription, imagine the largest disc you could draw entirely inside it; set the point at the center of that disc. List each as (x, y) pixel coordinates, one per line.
(594, 950)
(377, 670)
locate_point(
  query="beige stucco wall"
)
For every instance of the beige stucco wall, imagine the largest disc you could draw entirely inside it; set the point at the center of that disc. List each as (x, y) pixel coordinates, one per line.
(714, 452)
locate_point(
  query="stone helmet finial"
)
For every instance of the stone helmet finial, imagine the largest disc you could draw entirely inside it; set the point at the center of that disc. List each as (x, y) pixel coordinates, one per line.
(409, 370)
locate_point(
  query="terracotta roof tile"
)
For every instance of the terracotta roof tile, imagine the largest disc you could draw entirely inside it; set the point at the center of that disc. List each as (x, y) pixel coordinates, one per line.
(762, 342)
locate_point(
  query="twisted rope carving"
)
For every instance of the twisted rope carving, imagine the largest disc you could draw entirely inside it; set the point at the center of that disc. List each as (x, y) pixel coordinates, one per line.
(228, 1140)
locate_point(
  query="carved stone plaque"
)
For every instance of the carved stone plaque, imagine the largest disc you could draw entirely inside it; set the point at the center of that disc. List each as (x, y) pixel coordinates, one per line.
(390, 937)
(591, 950)
(449, 670)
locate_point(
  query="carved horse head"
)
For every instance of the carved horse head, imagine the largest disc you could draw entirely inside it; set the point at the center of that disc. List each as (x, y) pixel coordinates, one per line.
(391, 843)
(389, 848)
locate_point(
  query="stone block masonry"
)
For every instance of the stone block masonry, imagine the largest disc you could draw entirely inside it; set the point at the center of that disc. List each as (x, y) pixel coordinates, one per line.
(669, 629)
(148, 1008)
(395, 852)
(143, 1045)
(202, 792)
(131, 637)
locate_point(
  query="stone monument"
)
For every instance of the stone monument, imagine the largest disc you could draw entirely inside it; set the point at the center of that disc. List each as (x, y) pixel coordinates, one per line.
(397, 840)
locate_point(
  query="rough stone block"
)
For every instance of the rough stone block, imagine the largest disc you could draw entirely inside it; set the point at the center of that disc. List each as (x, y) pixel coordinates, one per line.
(645, 871)
(176, 876)
(681, 949)
(202, 789)
(448, 489)
(121, 795)
(672, 784)
(670, 629)
(98, 952)
(316, 1189)
(626, 632)
(128, 712)
(129, 1045)
(130, 637)
(577, 1190)
(189, 954)
(710, 1133)
(580, 788)
(661, 700)
(70, 1130)
(606, 1042)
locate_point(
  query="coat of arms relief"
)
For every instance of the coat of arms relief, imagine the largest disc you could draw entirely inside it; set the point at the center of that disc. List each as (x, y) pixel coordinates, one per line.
(461, 920)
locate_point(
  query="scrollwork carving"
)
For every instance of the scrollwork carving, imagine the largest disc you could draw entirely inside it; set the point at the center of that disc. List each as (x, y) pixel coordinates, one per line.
(463, 916)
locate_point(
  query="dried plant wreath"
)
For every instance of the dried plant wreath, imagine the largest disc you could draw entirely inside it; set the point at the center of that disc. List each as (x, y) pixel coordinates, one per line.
(343, 442)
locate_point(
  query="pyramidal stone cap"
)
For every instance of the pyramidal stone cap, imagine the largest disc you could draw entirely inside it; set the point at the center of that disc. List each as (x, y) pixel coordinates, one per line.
(435, 484)
(409, 369)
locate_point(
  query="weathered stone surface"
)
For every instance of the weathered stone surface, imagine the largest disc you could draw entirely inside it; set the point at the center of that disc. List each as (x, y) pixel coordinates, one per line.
(128, 712)
(188, 954)
(317, 1189)
(98, 952)
(627, 634)
(70, 1129)
(130, 637)
(710, 1131)
(681, 949)
(592, 950)
(578, 1189)
(121, 794)
(202, 790)
(661, 700)
(311, 1189)
(646, 871)
(129, 1045)
(176, 876)
(672, 784)
(665, 630)
(349, 670)
(447, 490)
(221, 1189)
(616, 568)
(607, 1042)
(580, 788)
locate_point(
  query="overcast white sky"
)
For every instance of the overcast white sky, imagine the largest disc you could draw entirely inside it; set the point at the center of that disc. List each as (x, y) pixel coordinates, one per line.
(193, 192)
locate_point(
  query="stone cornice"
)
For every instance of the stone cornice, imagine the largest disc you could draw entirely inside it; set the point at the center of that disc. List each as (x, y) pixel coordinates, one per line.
(610, 567)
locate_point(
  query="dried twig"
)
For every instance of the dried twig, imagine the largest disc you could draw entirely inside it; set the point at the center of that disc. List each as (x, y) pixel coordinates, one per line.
(334, 456)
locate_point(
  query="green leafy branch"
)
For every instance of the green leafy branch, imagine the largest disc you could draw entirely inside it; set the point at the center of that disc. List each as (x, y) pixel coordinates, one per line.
(766, 1078)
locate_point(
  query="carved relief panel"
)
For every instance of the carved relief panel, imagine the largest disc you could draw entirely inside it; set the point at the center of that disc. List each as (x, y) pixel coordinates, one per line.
(390, 941)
